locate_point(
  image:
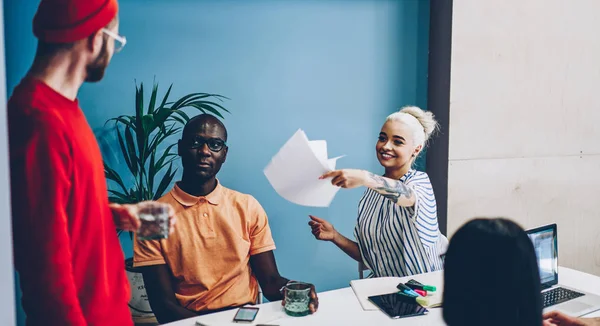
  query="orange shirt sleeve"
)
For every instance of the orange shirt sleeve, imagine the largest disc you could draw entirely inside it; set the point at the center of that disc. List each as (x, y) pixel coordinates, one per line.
(147, 253)
(260, 232)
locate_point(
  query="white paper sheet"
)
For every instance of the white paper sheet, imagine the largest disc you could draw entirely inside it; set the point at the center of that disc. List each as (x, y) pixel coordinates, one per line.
(295, 170)
(365, 288)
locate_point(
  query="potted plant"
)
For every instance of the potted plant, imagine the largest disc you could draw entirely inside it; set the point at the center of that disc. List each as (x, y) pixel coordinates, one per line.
(141, 141)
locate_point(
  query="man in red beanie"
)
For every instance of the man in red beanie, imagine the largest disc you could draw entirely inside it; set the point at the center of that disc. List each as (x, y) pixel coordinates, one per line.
(67, 253)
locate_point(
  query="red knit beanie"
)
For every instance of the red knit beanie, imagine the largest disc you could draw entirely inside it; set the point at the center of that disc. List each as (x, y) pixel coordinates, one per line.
(65, 21)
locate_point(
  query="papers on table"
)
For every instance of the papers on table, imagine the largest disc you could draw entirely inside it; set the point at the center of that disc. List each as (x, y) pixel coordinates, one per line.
(365, 288)
(295, 170)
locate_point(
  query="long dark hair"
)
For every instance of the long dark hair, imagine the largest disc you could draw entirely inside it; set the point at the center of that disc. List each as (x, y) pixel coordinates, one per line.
(491, 276)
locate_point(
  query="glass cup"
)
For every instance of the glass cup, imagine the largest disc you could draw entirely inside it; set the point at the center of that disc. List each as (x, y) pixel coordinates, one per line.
(297, 298)
(154, 218)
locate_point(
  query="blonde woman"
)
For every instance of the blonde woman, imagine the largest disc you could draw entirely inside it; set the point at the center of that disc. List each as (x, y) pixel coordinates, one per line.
(397, 228)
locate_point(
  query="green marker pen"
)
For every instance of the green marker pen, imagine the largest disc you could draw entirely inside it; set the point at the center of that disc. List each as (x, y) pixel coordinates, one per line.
(428, 288)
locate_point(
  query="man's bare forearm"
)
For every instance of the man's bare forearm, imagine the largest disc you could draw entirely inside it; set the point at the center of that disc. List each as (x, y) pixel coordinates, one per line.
(171, 311)
(162, 298)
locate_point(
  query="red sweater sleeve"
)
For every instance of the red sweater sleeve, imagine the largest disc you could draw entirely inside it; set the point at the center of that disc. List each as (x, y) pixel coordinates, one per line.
(41, 183)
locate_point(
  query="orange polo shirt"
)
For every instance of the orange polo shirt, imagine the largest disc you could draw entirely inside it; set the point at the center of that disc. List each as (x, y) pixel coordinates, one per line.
(210, 249)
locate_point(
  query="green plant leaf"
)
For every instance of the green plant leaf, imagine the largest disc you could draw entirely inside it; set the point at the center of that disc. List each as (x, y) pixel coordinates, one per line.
(124, 152)
(172, 131)
(117, 200)
(151, 171)
(141, 192)
(164, 183)
(210, 104)
(156, 140)
(163, 136)
(149, 126)
(139, 101)
(118, 194)
(164, 100)
(114, 176)
(182, 114)
(124, 119)
(192, 99)
(131, 150)
(160, 117)
(148, 123)
(171, 158)
(179, 103)
(200, 96)
(140, 132)
(153, 98)
(220, 97)
(159, 137)
(177, 119)
(161, 160)
(205, 107)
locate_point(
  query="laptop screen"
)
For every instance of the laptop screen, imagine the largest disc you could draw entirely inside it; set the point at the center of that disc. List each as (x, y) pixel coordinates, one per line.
(545, 243)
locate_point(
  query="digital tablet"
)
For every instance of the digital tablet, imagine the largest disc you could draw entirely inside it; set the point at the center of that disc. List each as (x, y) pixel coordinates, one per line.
(397, 305)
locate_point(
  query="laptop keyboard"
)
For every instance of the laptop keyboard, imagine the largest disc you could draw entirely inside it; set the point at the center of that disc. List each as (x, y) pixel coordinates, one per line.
(558, 295)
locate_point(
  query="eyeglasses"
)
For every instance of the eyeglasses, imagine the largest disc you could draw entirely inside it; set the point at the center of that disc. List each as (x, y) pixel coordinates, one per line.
(214, 144)
(121, 40)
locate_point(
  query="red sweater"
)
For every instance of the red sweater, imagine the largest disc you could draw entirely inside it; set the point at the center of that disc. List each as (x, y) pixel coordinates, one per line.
(66, 250)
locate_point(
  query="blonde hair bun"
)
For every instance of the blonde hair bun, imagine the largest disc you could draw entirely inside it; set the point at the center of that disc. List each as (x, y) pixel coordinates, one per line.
(425, 119)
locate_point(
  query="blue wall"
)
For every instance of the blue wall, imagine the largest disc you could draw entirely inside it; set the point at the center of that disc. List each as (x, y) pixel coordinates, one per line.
(333, 68)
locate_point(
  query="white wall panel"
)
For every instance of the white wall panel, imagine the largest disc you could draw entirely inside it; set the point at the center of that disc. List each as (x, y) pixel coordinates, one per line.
(525, 106)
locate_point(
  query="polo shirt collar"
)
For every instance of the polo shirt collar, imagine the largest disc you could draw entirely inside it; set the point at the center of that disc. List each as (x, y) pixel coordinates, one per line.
(185, 199)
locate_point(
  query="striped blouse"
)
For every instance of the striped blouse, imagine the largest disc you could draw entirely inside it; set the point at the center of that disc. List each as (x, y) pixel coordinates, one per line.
(400, 241)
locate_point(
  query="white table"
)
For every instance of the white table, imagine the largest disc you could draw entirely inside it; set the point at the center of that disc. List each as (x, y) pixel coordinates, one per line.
(341, 307)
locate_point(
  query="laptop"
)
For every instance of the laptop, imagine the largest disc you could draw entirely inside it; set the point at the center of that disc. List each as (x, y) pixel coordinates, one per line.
(570, 301)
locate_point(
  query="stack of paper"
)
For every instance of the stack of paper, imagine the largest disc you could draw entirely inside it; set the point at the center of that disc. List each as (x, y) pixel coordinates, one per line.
(295, 170)
(368, 287)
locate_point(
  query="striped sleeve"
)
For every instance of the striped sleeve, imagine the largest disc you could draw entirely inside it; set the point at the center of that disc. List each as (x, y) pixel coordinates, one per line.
(424, 212)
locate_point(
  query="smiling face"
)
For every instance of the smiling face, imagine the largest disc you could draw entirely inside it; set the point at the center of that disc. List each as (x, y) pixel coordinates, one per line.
(395, 147)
